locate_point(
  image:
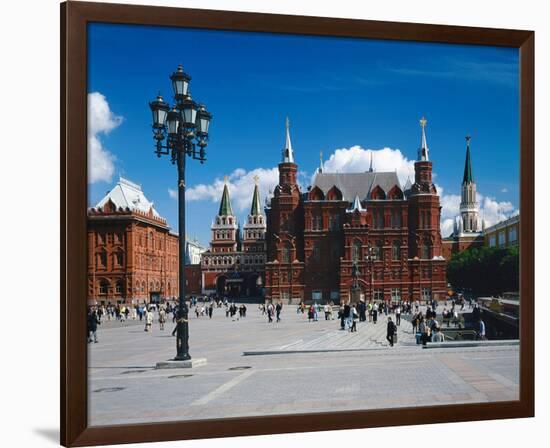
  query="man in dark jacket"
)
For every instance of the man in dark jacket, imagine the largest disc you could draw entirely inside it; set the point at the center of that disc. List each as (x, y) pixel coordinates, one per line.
(390, 331)
(93, 321)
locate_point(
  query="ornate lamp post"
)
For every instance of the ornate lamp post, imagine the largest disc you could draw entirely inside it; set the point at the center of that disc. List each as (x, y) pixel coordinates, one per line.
(370, 257)
(181, 131)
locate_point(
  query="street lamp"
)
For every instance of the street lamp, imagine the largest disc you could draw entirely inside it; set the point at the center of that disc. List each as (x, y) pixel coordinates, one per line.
(177, 132)
(370, 257)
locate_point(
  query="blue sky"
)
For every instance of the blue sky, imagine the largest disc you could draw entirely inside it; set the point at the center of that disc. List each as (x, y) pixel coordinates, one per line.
(339, 93)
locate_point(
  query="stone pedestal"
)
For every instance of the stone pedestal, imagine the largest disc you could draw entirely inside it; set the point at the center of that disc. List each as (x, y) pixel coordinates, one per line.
(187, 364)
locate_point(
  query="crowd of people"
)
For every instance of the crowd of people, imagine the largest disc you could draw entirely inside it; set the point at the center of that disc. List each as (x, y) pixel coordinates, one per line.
(425, 325)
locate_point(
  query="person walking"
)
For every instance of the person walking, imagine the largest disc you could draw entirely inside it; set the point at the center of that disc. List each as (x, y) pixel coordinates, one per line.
(390, 331)
(375, 312)
(398, 315)
(148, 320)
(270, 313)
(354, 316)
(278, 309)
(162, 318)
(341, 316)
(481, 330)
(93, 322)
(211, 310)
(347, 315)
(310, 313)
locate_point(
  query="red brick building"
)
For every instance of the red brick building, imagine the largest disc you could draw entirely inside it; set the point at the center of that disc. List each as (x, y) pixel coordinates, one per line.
(390, 233)
(233, 266)
(132, 255)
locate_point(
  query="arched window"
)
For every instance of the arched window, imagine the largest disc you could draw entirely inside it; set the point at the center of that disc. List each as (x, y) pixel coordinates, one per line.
(286, 253)
(316, 251)
(334, 222)
(396, 250)
(425, 251)
(378, 219)
(102, 260)
(317, 221)
(356, 250)
(378, 193)
(142, 286)
(377, 250)
(103, 287)
(334, 194)
(396, 218)
(119, 261)
(119, 287)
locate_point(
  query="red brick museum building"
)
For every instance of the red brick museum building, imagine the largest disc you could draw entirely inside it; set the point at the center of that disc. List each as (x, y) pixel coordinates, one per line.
(389, 232)
(132, 254)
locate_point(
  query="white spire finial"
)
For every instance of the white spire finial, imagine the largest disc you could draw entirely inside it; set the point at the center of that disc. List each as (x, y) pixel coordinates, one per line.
(321, 167)
(423, 150)
(371, 169)
(288, 155)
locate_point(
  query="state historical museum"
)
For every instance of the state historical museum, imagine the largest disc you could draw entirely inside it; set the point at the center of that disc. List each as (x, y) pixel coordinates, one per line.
(365, 223)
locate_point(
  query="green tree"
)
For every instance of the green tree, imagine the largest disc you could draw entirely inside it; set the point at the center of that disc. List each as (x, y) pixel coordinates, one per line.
(485, 270)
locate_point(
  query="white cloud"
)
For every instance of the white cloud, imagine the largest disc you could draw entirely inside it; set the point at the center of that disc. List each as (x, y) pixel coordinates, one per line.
(504, 190)
(446, 226)
(240, 184)
(357, 159)
(493, 211)
(490, 210)
(354, 159)
(172, 193)
(101, 120)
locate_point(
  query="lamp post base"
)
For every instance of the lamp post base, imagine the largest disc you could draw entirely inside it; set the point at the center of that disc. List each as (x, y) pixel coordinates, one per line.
(183, 364)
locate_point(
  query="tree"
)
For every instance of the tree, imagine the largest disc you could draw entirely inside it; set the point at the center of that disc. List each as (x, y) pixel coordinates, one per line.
(485, 270)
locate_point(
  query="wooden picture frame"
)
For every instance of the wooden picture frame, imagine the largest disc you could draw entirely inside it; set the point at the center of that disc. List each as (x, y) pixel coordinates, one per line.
(74, 19)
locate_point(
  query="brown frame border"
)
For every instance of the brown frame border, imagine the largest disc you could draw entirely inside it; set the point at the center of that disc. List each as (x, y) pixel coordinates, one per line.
(74, 17)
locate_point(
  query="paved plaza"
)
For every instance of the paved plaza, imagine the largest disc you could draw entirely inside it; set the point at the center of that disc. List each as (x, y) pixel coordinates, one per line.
(294, 366)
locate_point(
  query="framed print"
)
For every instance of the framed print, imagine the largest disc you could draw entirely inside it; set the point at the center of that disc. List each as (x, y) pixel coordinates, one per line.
(281, 223)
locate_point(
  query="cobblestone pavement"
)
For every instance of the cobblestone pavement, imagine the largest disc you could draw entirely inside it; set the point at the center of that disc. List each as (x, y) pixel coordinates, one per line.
(125, 387)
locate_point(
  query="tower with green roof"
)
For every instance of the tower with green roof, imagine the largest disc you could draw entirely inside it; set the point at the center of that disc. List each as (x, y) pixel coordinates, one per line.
(225, 228)
(255, 228)
(468, 222)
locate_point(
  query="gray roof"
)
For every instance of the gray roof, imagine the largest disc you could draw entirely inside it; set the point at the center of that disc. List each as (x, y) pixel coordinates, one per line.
(356, 184)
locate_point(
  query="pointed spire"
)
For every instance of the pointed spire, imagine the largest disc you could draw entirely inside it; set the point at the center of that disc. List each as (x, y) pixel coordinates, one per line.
(288, 154)
(371, 169)
(356, 205)
(321, 166)
(225, 205)
(423, 150)
(256, 207)
(468, 175)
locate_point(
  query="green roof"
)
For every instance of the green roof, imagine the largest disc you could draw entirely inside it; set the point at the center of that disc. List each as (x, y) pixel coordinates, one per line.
(468, 175)
(256, 207)
(225, 206)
